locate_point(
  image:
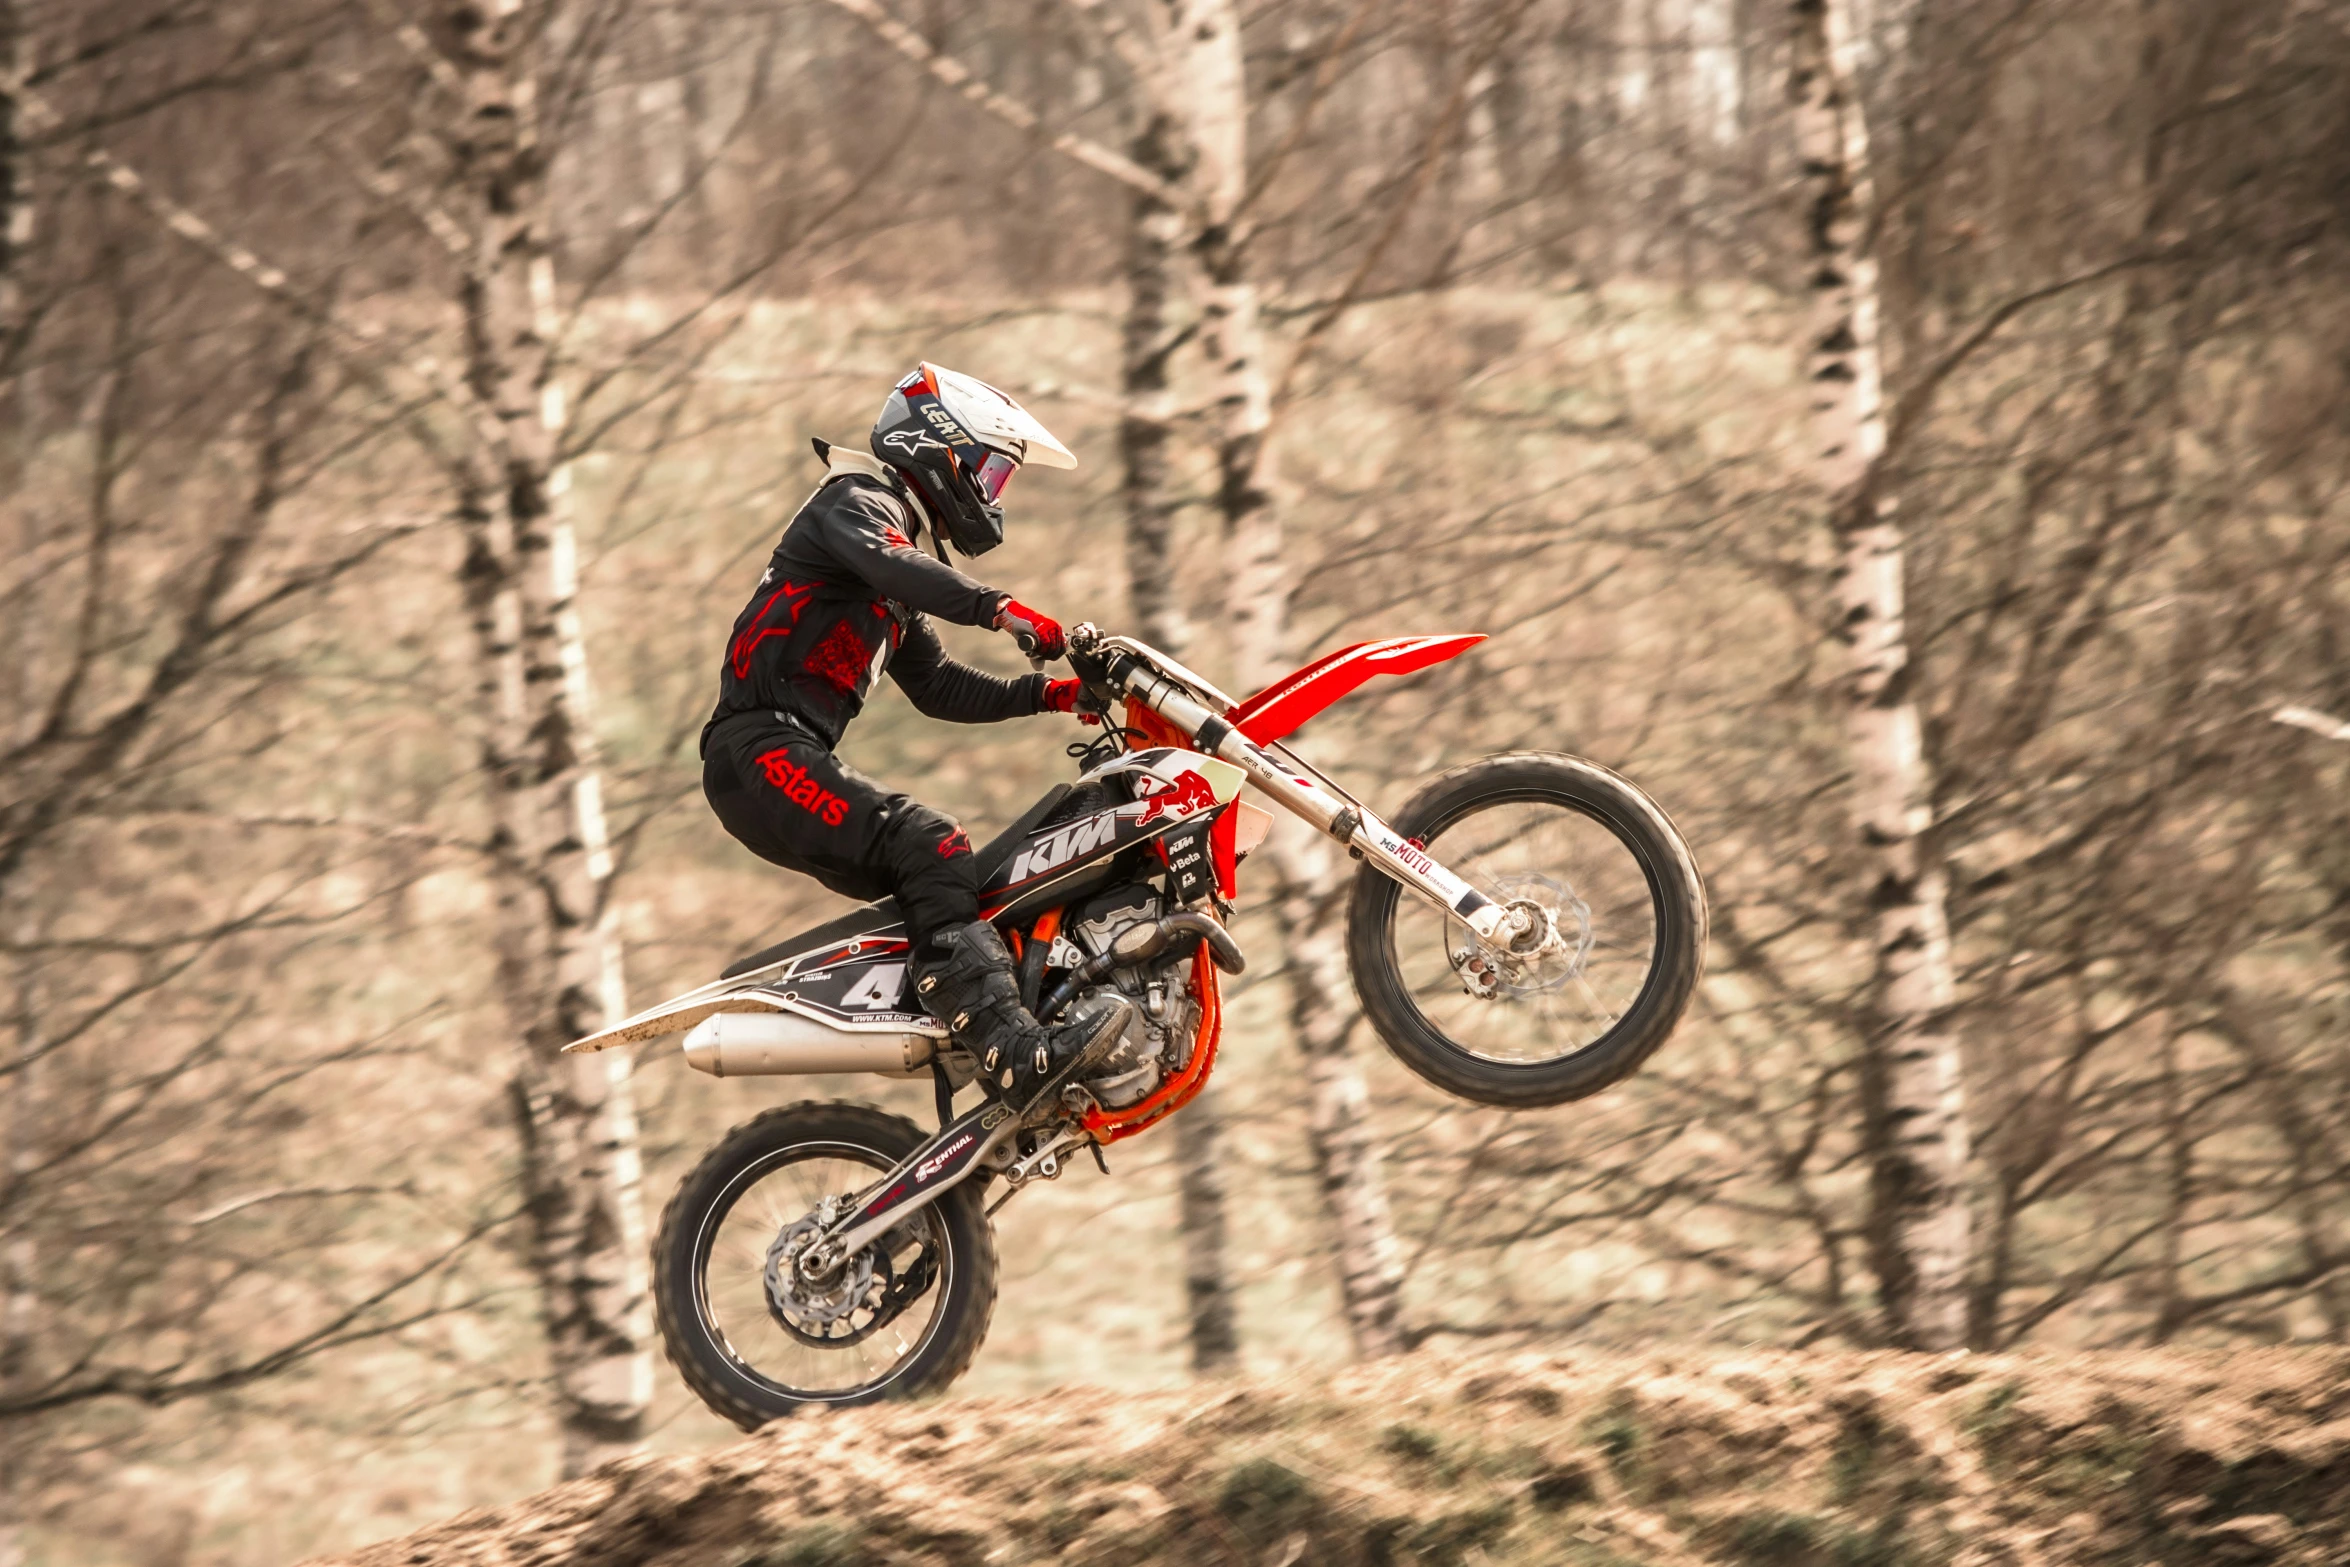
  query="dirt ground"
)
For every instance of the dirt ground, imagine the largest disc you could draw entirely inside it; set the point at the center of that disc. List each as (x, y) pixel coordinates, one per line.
(1775, 1459)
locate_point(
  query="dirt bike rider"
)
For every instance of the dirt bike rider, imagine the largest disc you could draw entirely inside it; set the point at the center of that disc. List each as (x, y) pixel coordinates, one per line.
(845, 596)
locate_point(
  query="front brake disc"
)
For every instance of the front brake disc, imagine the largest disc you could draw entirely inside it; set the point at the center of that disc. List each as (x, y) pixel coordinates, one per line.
(823, 1313)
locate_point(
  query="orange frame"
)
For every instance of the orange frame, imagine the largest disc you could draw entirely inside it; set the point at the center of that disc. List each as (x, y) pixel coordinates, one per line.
(1107, 1126)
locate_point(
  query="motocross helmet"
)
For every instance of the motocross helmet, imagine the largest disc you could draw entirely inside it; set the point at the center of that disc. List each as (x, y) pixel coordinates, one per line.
(957, 441)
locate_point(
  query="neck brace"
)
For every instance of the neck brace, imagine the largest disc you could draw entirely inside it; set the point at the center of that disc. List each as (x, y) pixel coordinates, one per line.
(840, 459)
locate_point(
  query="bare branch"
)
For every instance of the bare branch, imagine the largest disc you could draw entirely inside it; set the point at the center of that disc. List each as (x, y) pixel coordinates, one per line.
(955, 74)
(420, 48)
(271, 280)
(1448, 123)
(2315, 722)
(1136, 54)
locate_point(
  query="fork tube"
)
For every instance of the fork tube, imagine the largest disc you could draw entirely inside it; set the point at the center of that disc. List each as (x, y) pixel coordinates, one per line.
(1353, 825)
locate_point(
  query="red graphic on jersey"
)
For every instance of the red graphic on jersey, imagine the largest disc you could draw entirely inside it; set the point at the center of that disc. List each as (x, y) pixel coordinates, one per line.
(894, 539)
(793, 781)
(747, 640)
(1188, 794)
(840, 659)
(954, 843)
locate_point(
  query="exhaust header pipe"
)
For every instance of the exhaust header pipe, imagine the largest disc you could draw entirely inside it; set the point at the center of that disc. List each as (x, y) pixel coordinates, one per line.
(780, 1044)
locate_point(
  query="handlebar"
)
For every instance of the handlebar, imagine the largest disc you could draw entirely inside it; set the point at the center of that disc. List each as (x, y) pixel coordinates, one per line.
(1106, 662)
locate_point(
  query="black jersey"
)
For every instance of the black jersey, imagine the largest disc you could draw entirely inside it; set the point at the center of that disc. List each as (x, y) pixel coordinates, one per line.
(844, 597)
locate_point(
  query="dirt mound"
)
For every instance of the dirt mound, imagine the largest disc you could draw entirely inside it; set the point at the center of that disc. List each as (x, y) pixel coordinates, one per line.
(1777, 1460)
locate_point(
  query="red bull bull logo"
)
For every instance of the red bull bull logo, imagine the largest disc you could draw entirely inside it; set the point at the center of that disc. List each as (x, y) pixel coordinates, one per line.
(1189, 793)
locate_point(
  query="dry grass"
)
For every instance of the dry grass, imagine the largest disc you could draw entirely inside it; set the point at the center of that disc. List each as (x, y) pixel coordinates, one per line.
(1774, 1460)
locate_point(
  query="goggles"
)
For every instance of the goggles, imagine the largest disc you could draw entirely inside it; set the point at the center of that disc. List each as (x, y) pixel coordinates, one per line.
(992, 475)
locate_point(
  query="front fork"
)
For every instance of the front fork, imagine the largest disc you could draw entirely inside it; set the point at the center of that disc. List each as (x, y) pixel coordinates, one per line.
(1352, 825)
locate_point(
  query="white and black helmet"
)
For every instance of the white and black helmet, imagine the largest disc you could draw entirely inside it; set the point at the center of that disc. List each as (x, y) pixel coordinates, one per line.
(957, 441)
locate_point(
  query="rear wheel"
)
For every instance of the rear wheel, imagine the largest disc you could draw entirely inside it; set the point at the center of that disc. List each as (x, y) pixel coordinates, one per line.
(754, 1339)
(1607, 941)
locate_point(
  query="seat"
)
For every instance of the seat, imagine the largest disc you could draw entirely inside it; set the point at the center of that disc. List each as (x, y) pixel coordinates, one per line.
(883, 914)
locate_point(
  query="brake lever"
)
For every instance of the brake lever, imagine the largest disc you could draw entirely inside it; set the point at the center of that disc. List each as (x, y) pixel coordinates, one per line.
(1085, 662)
(1083, 714)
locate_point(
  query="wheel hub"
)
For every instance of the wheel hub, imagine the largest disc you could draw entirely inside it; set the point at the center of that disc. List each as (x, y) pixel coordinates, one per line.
(818, 1307)
(1544, 941)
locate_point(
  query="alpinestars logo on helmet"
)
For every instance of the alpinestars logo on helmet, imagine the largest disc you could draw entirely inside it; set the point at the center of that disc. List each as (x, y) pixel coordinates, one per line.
(912, 442)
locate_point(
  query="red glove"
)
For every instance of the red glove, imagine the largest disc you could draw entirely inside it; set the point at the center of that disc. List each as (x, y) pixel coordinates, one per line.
(1060, 696)
(1039, 635)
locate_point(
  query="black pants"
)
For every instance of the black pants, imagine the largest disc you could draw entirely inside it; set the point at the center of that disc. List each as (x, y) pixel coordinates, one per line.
(790, 801)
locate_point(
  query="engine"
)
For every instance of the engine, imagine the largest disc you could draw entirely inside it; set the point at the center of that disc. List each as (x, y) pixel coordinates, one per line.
(1164, 1027)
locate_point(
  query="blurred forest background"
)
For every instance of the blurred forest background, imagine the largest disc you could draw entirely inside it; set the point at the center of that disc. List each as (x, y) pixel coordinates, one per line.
(397, 400)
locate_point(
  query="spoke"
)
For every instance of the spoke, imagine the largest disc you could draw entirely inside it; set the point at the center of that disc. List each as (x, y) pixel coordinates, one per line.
(855, 1353)
(1599, 1008)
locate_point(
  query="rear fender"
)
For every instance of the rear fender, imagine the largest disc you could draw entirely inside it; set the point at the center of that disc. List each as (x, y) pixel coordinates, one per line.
(856, 986)
(1281, 707)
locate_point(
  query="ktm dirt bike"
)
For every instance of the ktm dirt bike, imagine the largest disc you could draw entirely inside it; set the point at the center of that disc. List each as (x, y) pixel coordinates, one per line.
(1524, 933)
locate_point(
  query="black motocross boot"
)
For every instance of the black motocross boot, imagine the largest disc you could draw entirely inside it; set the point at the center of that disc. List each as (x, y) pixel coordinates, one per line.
(967, 982)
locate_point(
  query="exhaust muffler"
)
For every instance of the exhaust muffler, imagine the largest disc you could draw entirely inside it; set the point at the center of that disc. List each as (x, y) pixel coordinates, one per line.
(777, 1044)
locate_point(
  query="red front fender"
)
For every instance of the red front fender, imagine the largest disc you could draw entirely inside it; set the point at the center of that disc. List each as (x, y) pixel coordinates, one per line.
(1288, 702)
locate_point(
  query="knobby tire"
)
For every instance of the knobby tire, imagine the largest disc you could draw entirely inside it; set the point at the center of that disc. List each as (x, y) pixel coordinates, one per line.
(687, 1225)
(1677, 896)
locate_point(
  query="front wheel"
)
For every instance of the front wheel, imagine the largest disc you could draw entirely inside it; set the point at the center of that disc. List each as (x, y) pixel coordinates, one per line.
(1608, 935)
(753, 1337)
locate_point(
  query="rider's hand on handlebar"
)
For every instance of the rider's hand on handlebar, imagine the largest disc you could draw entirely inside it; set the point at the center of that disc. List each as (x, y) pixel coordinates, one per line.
(1063, 696)
(1039, 635)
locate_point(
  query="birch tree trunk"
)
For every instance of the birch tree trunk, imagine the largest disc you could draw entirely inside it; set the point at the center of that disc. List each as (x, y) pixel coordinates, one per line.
(1147, 421)
(1143, 431)
(558, 954)
(1311, 894)
(1913, 1120)
(16, 238)
(17, 1258)
(1210, 92)
(18, 1300)
(1211, 88)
